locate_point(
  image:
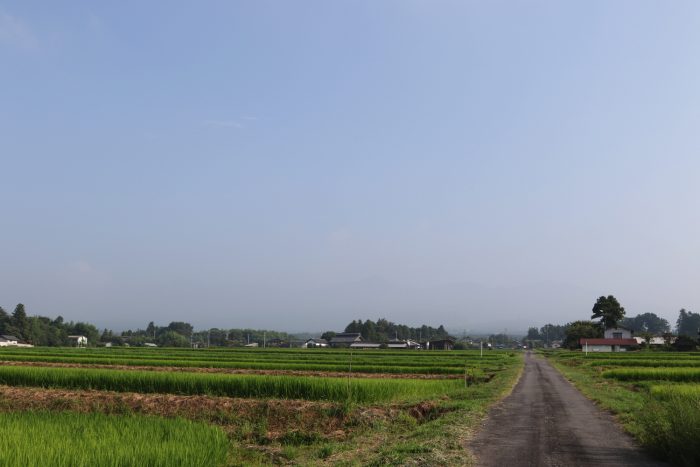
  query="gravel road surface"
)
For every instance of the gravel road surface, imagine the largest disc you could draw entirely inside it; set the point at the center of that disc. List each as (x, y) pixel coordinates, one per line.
(548, 422)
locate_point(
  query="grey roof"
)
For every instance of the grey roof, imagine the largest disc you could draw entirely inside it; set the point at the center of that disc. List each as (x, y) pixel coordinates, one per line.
(318, 340)
(9, 338)
(346, 338)
(371, 345)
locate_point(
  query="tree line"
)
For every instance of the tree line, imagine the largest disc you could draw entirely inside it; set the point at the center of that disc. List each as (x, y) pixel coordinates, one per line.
(40, 330)
(44, 331)
(383, 331)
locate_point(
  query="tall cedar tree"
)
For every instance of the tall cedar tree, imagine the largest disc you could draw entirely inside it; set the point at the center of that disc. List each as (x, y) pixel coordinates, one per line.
(608, 311)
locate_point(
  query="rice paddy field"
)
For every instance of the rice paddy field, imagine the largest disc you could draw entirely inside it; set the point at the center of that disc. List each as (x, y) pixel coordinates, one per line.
(146, 406)
(656, 395)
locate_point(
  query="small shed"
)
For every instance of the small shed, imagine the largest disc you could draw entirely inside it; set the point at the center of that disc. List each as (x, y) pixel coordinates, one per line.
(440, 344)
(80, 341)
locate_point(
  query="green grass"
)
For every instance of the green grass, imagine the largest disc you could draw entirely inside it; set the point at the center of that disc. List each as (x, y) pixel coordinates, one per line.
(37, 439)
(260, 386)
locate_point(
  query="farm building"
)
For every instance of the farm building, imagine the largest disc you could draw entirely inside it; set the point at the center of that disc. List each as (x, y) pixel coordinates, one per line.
(439, 344)
(365, 345)
(79, 341)
(315, 342)
(403, 344)
(8, 341)
(345, 339)
(606, 345)
(616, 340)
(655, 341)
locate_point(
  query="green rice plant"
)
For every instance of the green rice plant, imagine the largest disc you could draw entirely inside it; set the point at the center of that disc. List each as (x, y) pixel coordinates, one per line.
(652, 363)
(661, 374)
(258, 386)
(668, 391)
(37, 439)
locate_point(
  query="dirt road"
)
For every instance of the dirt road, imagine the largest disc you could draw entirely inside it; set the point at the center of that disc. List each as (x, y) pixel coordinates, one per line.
(548, 422)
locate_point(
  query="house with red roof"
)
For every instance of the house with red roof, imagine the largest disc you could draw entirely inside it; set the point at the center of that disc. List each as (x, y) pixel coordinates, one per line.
(614, 340)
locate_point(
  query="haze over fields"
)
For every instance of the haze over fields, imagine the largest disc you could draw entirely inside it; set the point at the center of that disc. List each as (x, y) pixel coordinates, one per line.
(297, 165)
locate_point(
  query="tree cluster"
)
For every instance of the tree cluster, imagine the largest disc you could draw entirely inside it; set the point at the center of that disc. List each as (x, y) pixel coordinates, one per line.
(383, 331)
(181, 334)
(646, 323)
(545, 335)
(40, 330)
(688, 324)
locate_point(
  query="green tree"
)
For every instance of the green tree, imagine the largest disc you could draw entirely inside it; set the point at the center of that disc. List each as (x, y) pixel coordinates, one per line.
(581, 329)
(646, 322)
(688, 323)
(182, 328)
(19, 320)
(4, 321)
(328, 335)
(173, 339)
(533, 334)
(608, 311)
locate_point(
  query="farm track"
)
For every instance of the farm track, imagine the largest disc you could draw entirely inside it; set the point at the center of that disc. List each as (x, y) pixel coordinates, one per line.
(547, 422)
(235, 371)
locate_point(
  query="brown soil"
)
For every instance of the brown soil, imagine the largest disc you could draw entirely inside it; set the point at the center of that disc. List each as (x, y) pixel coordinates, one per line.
(331, 374)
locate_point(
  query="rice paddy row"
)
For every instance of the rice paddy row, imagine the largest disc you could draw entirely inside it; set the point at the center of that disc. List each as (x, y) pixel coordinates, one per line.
(338, 362)
(250, 386)
(37, 439)
(326, 414)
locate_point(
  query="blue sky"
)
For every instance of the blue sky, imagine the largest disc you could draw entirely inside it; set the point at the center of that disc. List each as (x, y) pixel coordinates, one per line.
(297, 165)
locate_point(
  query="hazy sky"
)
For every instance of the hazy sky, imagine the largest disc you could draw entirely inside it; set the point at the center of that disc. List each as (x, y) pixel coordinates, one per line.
(296, 165)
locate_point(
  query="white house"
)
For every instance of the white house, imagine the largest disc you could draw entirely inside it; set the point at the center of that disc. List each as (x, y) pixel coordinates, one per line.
(315, 342)
(6, 341)
(618, 333)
